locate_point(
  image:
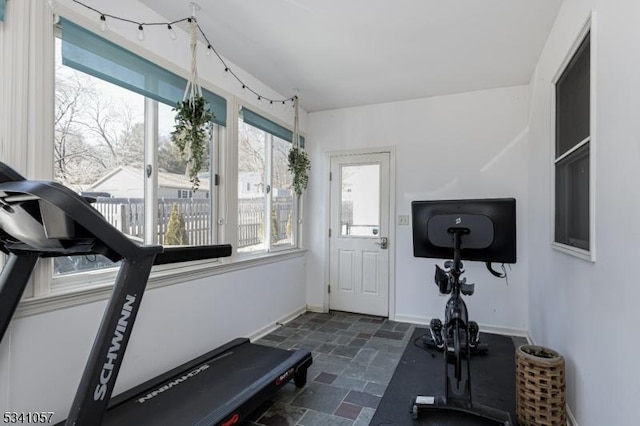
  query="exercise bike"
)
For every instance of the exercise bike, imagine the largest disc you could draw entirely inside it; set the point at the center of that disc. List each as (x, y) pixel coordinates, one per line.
(457, 337)
(448, 281)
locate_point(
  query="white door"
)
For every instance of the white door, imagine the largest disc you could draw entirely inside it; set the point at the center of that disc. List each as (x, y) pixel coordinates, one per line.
(358, 236)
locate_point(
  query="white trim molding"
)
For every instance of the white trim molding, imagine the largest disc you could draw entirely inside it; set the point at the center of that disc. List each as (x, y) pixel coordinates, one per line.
(493, 329)
(27, 100)
(277, 324)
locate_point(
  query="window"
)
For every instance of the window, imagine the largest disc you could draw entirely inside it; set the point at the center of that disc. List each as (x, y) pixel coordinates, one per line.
(266, 208)
(572, 151)
(113, 119)
(184, 193)
(359, 200)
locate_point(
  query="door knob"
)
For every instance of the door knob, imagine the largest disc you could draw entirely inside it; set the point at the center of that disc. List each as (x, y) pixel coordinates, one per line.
(383, 243)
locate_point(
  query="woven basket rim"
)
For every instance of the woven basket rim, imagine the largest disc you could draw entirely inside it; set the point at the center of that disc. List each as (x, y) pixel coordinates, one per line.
(528, 352)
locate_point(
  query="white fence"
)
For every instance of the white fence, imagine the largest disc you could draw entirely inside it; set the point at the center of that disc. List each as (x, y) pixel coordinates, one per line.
(127, 214)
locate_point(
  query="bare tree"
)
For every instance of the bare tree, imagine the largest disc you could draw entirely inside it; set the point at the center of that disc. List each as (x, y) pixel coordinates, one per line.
(94, 131)
(73, 156)
(281, 176)
(252, 151)
(169, 158)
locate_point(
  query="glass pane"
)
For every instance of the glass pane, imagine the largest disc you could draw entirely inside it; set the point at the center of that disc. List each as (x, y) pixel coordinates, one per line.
(251, 188)
(99, 152)
(282, 195)
(184, 215)
(572, 199)
(360, 200)
(572, 101)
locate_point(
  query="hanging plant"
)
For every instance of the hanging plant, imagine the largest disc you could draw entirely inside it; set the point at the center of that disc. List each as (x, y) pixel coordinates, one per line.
(191, 134)
(193, 119)
(299, 163)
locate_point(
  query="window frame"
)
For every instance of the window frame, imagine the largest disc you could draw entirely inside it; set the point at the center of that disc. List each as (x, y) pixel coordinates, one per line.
(296, 203)
(88, 279)
(91, 286)
(90, 282)
(588, 28)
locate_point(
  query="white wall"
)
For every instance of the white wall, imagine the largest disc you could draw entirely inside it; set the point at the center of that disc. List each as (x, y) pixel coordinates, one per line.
(470, 145)
(42, 356)
(588, 311)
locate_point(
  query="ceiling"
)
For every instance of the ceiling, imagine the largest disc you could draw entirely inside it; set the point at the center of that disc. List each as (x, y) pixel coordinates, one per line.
(342, 53)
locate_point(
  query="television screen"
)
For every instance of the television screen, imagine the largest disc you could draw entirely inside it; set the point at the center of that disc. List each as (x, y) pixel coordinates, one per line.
(489, 224)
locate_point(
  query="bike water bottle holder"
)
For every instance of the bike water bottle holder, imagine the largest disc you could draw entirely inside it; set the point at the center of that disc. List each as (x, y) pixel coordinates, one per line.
(467, 289)
(442, 281)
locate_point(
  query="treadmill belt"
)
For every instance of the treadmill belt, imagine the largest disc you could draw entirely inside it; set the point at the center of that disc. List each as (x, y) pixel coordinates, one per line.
(204, 393)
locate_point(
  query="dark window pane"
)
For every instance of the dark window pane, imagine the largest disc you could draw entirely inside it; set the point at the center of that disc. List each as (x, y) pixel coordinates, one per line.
(572, 199)
(572, 101)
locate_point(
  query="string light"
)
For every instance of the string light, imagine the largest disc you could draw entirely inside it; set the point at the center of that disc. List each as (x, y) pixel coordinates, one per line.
(103, 24)
(172, 33)
(140, 32)
(141, 36)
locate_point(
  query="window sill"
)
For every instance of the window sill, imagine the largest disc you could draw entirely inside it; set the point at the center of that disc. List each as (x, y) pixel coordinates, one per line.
(574, 251)
(161, 276)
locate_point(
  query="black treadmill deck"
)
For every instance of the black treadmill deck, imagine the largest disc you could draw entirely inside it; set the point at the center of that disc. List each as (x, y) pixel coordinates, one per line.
(220, 387)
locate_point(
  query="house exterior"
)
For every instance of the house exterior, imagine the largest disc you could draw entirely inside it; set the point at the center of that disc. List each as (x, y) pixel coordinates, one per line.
(128, 182)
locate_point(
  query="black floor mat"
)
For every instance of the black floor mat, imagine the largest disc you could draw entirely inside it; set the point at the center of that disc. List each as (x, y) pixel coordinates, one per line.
(421, 372)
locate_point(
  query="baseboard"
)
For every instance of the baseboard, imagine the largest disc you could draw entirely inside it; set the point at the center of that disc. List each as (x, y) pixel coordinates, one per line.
(571, 420)
(276, 324)
(506, 331)
(317, 309)
(412, 319)
(494, 329)
(530, 339)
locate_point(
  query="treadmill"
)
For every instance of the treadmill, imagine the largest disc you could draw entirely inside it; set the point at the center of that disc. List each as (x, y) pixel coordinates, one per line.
(41, 219)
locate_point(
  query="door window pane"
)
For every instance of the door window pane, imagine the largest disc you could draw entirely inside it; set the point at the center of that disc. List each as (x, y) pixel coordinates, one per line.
(360, 200)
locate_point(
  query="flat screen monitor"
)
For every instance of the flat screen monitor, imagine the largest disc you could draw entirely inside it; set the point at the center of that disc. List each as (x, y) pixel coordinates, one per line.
(489, 224)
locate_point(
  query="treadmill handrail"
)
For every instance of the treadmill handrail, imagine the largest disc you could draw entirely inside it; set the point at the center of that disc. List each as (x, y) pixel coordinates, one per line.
(81, 212)
(191, 253)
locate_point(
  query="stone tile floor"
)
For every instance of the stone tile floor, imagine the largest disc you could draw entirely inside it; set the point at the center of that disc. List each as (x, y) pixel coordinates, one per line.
(354, 357)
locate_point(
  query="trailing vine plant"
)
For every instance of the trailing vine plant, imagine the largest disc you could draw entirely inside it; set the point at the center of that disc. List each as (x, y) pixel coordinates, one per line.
(191, 134)
(193, 120)
(299, 163)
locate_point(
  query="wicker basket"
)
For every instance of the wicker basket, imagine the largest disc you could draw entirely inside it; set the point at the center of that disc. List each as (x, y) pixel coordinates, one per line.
(540, 387)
